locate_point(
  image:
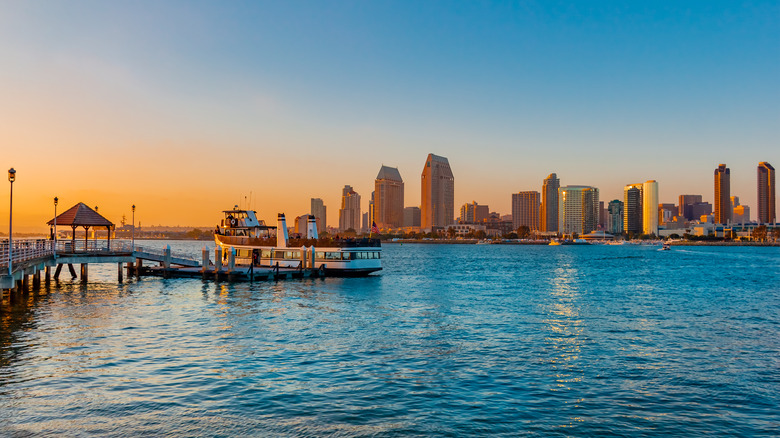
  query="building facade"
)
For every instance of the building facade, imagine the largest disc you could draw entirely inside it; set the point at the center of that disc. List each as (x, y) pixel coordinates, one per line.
(526, 210)
(578, 209)
(320, 213)
(766, 193)
(438, 193)
(615, 220)
(388, 198)
(722, 214)
(412, 217)
(548, 217)
(349, 214)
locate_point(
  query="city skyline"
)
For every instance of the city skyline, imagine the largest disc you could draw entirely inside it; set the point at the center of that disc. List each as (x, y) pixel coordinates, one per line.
(187, 114)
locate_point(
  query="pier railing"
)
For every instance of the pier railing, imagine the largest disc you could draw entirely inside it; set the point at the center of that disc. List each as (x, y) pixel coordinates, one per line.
(24, 250)
(93, 246)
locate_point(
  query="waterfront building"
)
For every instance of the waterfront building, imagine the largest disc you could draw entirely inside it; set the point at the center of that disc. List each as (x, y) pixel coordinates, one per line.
(632, 208)
(666, 212)
(700, 209)
(473, 213)
(578, 209)
(650, 208)
(320, 213)
(548, 220)
(365, 226)
(615, 220)
(349, 214)
(438, 193)
(412, 217)
(603, 216)
(388, 198)
(766, 193)
(722, 195)
(371, 218)
(685, 203)
(525, 210)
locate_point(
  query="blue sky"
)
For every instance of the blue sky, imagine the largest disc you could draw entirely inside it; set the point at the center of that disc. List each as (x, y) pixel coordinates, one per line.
(316, 95)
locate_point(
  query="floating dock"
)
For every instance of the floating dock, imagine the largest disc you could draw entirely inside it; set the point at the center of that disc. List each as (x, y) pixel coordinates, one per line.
(239, 273)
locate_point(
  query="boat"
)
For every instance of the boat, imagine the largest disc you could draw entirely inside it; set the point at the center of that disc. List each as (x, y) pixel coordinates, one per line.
(554, 242)
(261, 245)
(666, 247)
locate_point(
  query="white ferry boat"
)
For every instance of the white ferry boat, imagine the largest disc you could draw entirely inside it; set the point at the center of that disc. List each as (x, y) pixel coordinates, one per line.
(258, 244)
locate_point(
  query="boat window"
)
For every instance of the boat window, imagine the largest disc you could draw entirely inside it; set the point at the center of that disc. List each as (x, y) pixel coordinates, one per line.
(266, 254)
(347, 255)
(332, 256)
(320, 255)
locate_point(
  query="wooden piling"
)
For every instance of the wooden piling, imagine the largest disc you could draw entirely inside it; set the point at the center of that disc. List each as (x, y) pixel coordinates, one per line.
(119, 272)
(84, 273)
(47, 277)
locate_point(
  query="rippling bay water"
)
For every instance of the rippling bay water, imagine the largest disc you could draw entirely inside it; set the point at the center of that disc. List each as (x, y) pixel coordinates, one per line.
(450, 340)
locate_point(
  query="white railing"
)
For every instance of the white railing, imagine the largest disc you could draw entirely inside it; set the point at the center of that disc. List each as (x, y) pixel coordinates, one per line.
(25, 249)
(161, 252)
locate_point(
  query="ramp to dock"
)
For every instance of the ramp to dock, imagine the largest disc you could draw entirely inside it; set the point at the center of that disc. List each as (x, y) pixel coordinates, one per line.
(165, 256)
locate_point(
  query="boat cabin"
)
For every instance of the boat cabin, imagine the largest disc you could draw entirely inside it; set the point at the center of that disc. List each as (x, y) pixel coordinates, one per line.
(244, 223)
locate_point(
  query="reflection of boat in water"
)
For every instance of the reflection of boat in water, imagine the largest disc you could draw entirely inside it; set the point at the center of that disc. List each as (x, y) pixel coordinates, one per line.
(257, 244)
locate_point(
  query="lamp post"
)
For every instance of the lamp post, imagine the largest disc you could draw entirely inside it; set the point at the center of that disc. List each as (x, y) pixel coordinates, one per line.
(56, 200)
(11, 178)
(133, 230)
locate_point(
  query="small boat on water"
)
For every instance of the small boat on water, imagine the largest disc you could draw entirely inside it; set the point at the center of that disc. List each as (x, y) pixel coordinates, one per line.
(666, 247)
(258, 244)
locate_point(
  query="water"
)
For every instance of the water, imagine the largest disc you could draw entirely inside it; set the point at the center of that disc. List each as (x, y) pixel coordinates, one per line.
(450, 340)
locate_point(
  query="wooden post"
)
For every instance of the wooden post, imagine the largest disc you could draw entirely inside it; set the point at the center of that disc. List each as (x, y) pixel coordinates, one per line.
(48, 275)
(217, 262)
(119, 272)
(57, 271)
(36, 280)
(72, 271)
(84, 273)
(130, 269)
(139, 266)
(25, 281)
(204, 262)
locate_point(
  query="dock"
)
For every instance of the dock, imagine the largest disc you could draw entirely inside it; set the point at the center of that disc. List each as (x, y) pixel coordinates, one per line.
(32, 257)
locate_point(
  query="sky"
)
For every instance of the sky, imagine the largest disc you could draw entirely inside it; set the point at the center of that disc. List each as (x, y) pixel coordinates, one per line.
(188, 108)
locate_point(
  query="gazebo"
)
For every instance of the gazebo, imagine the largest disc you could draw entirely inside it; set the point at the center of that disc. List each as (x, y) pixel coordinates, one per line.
(80, 215)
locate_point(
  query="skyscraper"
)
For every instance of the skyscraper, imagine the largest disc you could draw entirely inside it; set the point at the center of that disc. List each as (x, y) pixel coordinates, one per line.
(578, 209)
(412, 216)
(549, 211)
(632, 208)
(388, 198)
(525, 210)
(722, 195)
(650, 207)
(766, 193)
(349, 214)
(615, 221)
(438, 193)
(320, 213)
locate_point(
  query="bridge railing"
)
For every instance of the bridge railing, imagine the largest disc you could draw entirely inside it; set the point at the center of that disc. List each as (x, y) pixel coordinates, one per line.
(161, 252)
(25, 249)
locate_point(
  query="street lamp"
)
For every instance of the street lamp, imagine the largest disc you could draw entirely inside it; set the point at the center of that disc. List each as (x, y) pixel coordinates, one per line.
(133, 231)
(56, 200)
(11, 178)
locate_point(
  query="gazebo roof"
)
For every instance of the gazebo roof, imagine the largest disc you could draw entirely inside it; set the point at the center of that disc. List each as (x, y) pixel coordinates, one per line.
(81, 216)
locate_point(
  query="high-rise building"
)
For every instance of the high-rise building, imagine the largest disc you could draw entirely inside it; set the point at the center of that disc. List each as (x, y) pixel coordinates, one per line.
(578, 209)
(766, 193)
(389, 198)
(371, 219)
(438, 193)
(320, 213)
(349, 214)
(473, 212)
(548, 220)
(412, 217)
(685, 202)
(525, 210)
(615, 222)
(632, 208)
(722, 195)
(650, 207)
(603, 216)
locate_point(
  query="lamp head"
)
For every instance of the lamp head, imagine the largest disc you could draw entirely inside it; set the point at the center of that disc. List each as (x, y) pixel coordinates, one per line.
(133, 207)
(56, 200)
(11, 174)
